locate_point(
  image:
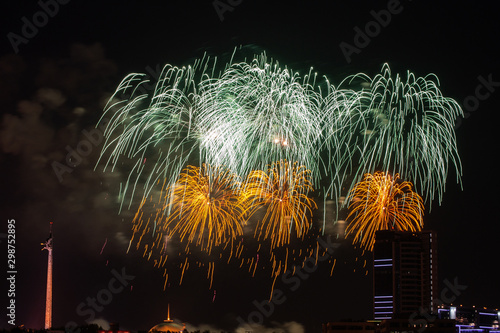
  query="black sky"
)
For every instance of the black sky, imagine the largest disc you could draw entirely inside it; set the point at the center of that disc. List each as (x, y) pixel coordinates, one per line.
(84, 51)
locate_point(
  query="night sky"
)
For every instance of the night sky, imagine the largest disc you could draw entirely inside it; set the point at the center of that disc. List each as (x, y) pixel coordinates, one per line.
(55, 85)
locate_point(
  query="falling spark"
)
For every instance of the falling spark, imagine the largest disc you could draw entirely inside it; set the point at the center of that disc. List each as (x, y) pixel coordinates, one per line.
(102, 249)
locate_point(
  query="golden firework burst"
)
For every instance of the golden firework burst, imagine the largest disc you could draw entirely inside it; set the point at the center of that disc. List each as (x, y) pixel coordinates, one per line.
(205, 206)
(283, 189)
(382, 202)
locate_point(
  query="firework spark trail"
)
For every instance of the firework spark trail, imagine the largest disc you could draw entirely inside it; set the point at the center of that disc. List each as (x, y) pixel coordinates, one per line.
(105, 242)
(381, 202)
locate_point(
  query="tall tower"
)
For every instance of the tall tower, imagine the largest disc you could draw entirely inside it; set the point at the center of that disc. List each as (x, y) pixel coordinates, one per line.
(48, 298)
(404, 273)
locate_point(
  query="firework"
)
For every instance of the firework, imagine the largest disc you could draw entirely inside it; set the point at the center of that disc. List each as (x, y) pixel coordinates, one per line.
(283, 189)
(342, 119)
(406, 126)
(202, 209)
(247, 115)
(206, 208)
(382, 202)
(250, 114)
(150, 126)
(258, 113)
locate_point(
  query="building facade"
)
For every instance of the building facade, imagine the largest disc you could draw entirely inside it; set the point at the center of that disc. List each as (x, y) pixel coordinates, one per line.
(404, 273)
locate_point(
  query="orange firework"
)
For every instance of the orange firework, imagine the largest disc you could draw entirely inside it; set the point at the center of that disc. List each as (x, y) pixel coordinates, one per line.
(283, 189)
(206, 207)
(381, 202)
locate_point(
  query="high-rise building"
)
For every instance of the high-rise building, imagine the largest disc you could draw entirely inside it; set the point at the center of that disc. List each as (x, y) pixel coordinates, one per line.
(404, 273)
